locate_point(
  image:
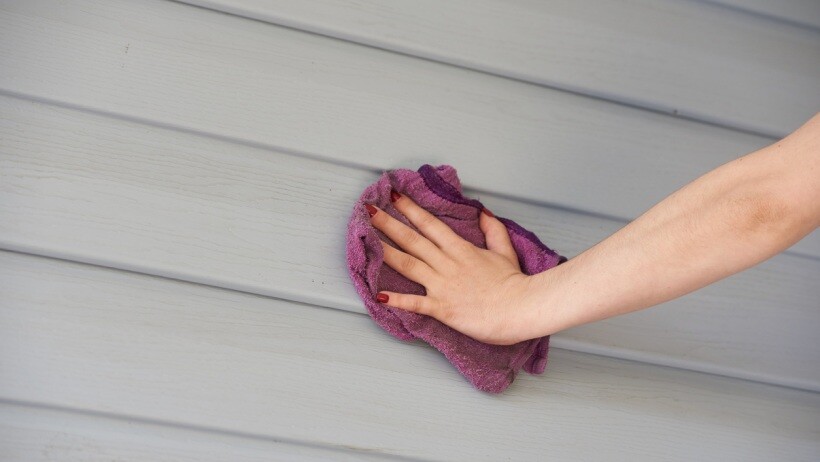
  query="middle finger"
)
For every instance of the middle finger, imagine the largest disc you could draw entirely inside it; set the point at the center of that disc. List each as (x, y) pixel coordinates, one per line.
(405, 237)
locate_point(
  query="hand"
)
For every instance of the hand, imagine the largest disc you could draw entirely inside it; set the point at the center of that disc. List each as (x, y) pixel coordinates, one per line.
(479, 292)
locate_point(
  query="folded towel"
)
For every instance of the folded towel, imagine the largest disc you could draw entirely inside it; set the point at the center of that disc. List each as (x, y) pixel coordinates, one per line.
(490, 368)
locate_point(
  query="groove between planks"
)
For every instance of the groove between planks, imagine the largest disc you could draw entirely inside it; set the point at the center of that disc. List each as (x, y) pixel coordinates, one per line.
(119, 194)
(803, 13)
(34, 431)
(106, 341)
(199, 70)
(680, 58)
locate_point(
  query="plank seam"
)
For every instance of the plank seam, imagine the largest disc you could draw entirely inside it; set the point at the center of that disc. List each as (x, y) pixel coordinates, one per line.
(206, 429)
(316, 157)
(486, 70)
(564, 344)
(757, 14)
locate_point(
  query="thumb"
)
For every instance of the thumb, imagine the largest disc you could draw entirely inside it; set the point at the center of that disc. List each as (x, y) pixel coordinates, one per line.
(497, 237)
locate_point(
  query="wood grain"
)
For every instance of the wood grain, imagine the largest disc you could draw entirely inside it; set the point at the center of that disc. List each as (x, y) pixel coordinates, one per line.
(126, 195)
(204, 166)
(34, 433)
(802, 12)
(685, 58)
(107, 341)
(196, 70)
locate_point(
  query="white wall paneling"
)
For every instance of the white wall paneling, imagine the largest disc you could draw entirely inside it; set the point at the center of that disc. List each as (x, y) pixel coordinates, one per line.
(126, 195)
(202, 71)
(35, 433)
(176, 179)
(107, 341)
(681, 57)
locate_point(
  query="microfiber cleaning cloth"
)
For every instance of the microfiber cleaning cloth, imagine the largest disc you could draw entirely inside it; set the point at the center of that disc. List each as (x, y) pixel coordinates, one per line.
(491, 368)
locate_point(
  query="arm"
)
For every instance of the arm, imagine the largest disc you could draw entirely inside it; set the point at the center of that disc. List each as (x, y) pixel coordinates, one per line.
(725, 221)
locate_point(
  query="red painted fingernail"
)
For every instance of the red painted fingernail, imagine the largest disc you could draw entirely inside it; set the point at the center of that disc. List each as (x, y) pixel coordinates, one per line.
(382, 298)
(370, 209)
(489, 214)
(394, 195)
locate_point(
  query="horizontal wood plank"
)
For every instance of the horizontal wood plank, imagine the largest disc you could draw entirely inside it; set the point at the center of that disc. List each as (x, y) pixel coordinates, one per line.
(196, 70)
(91, 338)
(801, 12)
(681, 57)
(126, 195)
(34, 433)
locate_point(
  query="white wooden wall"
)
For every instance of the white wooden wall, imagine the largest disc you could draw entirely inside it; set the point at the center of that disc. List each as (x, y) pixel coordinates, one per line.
(176, 178)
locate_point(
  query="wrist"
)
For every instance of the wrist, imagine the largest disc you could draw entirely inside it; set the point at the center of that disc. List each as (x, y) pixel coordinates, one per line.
(545, 310)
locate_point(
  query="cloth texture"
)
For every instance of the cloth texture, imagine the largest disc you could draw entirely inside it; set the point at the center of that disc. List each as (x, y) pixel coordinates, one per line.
(490, 368)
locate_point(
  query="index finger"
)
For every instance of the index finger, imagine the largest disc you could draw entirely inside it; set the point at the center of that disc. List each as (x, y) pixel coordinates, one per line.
(430, 226)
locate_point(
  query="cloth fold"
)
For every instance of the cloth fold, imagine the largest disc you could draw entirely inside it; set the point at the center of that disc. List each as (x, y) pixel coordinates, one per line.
(490, 368)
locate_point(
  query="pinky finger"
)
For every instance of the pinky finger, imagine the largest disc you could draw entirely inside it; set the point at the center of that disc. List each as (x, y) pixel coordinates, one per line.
(415, 303)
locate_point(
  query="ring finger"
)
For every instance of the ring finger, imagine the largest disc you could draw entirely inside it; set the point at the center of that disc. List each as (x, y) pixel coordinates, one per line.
(407, 265)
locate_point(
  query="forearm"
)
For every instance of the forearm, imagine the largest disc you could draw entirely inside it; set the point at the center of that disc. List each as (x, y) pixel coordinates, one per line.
(725, 221)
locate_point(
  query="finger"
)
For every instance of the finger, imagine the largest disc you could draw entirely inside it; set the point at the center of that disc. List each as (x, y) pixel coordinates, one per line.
(415, 303)
(407, 265)
(433, 229)
(406, 237)
(497, 237)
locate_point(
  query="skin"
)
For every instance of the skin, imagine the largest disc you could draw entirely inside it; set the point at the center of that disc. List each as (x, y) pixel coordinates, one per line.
(729, 219)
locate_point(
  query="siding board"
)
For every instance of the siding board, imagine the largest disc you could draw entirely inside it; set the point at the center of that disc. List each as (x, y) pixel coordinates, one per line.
(175, 183)
(34, 433)
(251, 82)
(681, 57)
(121, 343)
(802, 12)
(154, 200)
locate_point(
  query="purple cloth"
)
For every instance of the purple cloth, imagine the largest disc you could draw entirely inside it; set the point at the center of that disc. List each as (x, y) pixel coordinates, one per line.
(490, 368)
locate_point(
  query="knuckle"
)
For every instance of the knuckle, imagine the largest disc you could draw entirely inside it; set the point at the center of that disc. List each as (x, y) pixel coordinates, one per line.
(417, 305)
(426, 219)
(410, 237)
(408, 264)
(446, 314)
(500, 229)
(461, 246)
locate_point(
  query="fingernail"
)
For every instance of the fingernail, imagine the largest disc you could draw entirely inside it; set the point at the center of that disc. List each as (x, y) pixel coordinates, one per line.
(394, 195)
(370, 209)
(489, 214)
(382, 298)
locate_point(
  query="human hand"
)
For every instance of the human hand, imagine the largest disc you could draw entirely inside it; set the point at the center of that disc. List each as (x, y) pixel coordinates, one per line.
(479, 292)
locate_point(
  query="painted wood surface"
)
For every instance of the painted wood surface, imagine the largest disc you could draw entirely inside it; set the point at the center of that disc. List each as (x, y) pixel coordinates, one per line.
(254, 83)
(122, 194)
(801, 12)
(90, 338)
(681, 57)
(34, 433)
(203, 165)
